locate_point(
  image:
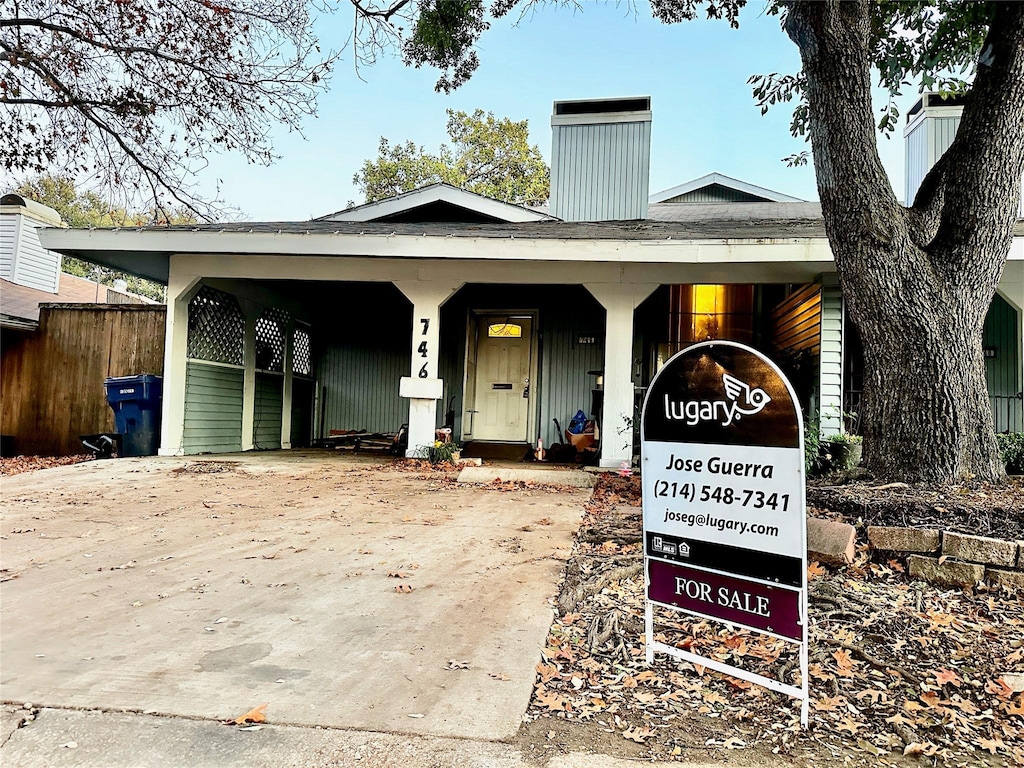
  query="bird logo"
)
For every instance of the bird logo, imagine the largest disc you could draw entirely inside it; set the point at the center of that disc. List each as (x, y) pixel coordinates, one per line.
(746, 401)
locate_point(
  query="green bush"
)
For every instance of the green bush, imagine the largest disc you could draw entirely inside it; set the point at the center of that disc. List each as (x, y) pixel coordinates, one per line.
(441, 453)
(1011, 447)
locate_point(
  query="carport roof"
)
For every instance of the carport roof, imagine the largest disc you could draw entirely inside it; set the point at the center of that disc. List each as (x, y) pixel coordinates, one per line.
(146, 251)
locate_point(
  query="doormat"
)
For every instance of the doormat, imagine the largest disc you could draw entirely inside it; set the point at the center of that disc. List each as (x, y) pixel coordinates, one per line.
(478, 449)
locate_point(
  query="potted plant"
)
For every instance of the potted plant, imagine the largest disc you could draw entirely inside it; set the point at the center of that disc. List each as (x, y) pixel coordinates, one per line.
(845, 450)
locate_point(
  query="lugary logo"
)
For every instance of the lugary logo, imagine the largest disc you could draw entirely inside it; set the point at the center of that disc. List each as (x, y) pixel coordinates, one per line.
(743, 401)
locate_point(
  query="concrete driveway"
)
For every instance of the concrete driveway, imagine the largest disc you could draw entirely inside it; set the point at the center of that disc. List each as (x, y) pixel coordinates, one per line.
(202, 588)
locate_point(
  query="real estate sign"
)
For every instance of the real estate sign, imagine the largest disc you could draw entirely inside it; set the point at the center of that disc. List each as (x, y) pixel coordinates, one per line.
(724, 512)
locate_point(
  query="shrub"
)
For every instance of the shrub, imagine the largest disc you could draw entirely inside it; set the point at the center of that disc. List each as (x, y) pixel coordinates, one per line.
(1011, 447)
(441, 453)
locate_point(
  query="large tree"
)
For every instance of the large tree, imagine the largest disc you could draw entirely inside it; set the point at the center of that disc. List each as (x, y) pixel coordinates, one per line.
(918, 278)
(487, 155)
(133, 96)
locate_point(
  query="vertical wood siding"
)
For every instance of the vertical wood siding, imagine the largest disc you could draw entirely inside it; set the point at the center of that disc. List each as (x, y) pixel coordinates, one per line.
(213, 408)
(916, 151)
(600, 172)
(715, 193)
(364, 349)
(1002, 371)
(35, 266)
(566, 385)
(268, 410)
(52, 379)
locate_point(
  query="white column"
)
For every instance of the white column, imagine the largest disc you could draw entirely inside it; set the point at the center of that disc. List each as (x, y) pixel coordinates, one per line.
(423, 386)
(286, 388)
(620, 300)
(251, 312)
(180, 290)
(830, 361)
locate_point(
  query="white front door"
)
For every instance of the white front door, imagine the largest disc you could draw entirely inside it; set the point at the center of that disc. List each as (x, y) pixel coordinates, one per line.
(504, 392)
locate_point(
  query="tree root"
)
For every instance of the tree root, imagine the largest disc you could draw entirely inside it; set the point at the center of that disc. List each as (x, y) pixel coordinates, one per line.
(863, 655)
(571, 598)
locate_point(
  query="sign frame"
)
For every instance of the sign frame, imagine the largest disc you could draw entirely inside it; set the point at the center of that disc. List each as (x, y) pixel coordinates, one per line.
(672, 562)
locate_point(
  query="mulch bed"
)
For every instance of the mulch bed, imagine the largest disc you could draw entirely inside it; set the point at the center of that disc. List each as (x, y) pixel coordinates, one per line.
(900, 671)
(983, 510)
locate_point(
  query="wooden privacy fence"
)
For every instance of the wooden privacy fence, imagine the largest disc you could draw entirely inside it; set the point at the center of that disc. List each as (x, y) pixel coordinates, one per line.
(51, 380)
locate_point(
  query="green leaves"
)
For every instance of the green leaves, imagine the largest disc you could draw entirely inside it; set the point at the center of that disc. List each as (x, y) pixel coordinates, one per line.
(487, 155)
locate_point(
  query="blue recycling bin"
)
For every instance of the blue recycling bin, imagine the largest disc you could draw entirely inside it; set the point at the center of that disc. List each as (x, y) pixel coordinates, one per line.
(136, 401)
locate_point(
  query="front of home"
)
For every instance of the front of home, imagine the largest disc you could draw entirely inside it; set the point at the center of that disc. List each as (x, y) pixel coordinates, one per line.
(440, 307)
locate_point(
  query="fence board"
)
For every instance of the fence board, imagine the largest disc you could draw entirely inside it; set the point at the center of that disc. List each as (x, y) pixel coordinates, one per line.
(52, 379)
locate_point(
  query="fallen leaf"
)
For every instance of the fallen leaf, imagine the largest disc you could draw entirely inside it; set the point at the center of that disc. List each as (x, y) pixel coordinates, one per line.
(639, 735)
(734, 743)
(403, 588)
(917, 748)
(499, 676)
(999, 687)
(848, 725)
(814, 570)
(455, 664)
(944, 676)
(254, 715)
(991, 744)
(397, 575)
(416, 715)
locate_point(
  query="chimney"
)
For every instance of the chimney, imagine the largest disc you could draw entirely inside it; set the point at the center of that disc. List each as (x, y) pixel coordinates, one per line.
(931, 125)
(600, 159)
(23, 260)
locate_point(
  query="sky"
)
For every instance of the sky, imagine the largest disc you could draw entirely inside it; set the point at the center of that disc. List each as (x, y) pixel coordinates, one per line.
(704, 116)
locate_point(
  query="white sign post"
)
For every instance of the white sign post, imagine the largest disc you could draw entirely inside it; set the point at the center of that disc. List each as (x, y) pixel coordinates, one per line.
(724, 507)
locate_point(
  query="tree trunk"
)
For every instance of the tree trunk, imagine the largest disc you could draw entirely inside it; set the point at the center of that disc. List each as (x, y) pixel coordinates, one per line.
(918, 281)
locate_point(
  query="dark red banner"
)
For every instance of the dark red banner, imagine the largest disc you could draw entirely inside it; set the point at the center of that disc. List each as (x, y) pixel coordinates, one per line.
(747, 603)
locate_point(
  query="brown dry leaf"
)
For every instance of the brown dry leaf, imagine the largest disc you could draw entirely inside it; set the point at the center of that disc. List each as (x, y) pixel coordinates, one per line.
(254, 715)
(544, 521)
(991, 744)
(944, 676)
(844, 662)
(546, 671)
(829, 703)
(999, 687)
(814, 570)
(639, 735)
(403, 588)
(871, 693)
(848, 725)
(397, 575)
(551, 700)
(917, 748)
(499, 676)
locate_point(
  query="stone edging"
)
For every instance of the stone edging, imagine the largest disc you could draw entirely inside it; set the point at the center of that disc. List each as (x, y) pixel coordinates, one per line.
(953, 559)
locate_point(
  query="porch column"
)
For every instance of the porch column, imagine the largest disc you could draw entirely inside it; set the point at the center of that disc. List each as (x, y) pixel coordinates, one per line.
(620, 301)
(180, 290)
(252, 313)
(286, 388)
(830, 361)
(1011, 288)
(423, 387)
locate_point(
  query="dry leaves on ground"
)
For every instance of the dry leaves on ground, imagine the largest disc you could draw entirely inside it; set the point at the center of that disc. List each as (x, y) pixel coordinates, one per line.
(897, 667)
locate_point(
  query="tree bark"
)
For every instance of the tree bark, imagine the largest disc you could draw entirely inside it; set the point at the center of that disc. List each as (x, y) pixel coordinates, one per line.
(918, 280)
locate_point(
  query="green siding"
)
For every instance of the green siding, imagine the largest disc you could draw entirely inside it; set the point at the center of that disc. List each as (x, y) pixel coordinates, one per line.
(363, 351)
(1002, 371)
(267, 412)
(213, 409)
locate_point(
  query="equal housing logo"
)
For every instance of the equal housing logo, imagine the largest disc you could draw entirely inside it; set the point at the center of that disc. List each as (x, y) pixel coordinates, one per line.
(741, 400)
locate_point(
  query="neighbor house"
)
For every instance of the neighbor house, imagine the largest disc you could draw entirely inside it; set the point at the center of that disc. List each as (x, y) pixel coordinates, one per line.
(440, 306)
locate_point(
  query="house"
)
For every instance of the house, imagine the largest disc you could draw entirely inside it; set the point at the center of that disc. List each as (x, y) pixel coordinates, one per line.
(60, 337)
(441, 306)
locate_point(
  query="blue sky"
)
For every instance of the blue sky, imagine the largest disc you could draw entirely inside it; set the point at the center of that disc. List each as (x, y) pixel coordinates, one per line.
(705, 118)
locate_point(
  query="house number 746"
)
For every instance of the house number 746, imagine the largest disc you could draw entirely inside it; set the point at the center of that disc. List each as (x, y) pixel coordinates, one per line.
(422, 348)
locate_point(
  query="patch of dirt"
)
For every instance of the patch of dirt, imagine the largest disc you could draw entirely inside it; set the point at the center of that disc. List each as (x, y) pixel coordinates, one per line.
(15, 465)
(207, 468)
(984, 510)
(898, 669)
